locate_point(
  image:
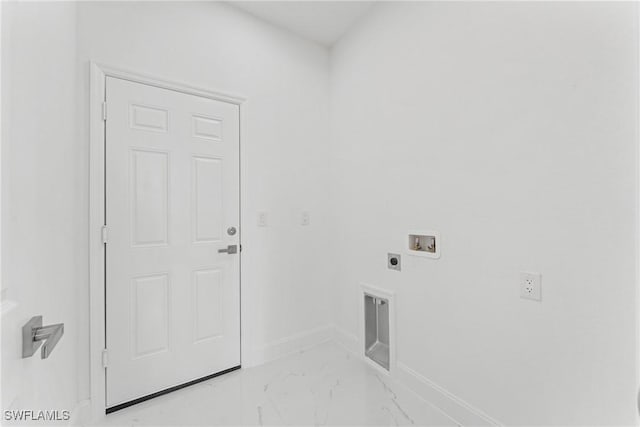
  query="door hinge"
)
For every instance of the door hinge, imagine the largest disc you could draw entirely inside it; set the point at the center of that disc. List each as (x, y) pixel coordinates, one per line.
(104, 234)
(104, 110)
(105, 358)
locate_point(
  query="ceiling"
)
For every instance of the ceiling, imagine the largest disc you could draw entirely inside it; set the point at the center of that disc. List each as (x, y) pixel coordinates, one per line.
(321, 21)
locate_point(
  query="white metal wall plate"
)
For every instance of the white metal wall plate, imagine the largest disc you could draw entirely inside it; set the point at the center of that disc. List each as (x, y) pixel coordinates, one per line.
(394, 261)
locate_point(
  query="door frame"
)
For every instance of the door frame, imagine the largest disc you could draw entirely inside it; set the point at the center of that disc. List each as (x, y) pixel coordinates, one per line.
(97, 284)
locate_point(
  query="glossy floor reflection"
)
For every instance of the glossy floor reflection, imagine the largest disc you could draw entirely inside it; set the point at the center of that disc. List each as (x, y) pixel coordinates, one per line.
(324, 385)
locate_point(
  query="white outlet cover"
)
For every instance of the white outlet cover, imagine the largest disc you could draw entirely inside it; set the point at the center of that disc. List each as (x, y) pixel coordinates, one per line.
(531, 286)
(262, 219)
(305, 218)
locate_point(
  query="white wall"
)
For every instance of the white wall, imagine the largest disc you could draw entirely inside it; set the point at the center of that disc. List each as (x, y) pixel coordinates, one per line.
(284, 154)
(285, 80)
(511, 128)
(43, 201)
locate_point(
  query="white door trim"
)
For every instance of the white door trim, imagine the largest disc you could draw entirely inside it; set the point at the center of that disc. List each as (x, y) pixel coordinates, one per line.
(98, 75)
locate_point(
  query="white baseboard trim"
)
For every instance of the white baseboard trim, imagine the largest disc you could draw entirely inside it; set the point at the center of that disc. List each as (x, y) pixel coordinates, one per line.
(81, 413)
(346, 339)
(294, 343)
(456, 408)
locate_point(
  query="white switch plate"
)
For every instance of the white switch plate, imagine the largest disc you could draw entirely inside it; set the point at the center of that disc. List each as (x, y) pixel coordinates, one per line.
(262, 219)
(305, 218)
(531, 286)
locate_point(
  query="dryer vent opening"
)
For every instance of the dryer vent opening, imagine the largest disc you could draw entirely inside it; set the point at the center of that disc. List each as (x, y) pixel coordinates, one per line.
(376, 330)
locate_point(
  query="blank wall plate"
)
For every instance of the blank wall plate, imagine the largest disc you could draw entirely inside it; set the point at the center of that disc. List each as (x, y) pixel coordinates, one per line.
(262, 219)
(305, 218)
(531, 286)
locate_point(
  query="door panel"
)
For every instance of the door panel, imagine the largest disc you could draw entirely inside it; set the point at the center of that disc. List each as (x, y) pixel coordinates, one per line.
(172, 190)
(149, 197)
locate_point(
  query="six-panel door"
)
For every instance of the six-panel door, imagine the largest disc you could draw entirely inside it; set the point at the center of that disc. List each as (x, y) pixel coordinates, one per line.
(172, 190)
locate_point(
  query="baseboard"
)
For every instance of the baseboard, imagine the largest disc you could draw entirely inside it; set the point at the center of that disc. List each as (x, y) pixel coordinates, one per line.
(456, 408)
(346, 339)
(81, 413)
(294, 343)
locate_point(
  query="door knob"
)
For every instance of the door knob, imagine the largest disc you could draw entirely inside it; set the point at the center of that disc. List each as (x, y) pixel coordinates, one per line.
(231, 231)
(231, 249)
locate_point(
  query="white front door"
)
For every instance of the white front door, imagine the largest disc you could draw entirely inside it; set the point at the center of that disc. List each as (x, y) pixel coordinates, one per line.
(172, 196)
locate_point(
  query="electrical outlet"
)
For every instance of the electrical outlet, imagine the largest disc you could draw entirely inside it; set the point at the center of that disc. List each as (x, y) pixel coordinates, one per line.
(305, 218)
(262, 219)
(531, 286)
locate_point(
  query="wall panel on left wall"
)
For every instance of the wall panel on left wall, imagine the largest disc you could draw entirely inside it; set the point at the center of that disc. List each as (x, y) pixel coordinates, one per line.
(44, 197)
(47, 48)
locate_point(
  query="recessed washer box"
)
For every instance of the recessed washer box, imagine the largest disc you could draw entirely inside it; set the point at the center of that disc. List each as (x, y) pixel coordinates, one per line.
(423, 243)
(377, 328)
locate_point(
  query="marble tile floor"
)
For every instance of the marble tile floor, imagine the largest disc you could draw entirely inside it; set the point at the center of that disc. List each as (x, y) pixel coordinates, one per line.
(325, 385)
